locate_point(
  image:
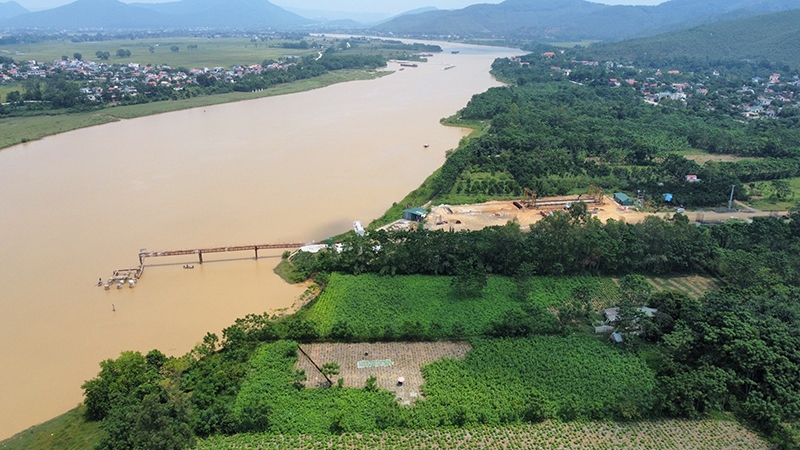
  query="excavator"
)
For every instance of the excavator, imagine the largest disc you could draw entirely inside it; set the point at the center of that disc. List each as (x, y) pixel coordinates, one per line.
(529, 199)
(598, 194)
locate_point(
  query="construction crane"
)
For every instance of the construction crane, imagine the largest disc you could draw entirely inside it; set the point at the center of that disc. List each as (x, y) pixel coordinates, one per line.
(598, 194)
(529, 199)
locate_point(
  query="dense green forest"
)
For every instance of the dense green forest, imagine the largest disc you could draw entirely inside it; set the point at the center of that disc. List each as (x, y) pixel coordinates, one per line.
(525, 299)
(767, 37)
(556, 130)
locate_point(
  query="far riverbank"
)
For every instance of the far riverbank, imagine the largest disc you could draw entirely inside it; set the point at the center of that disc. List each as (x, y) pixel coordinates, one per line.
(17, 130)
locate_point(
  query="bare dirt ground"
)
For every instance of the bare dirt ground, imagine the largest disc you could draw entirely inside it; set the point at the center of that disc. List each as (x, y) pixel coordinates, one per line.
(478, 216)
(407, 359)
(702, 159)
(694, 286)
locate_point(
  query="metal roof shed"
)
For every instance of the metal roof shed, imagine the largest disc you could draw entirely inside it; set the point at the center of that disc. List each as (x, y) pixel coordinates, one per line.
(415, 214)
(623, 199)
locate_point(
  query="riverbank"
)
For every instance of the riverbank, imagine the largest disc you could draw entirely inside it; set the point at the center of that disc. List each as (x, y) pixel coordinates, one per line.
(271, 170)
(17, 130)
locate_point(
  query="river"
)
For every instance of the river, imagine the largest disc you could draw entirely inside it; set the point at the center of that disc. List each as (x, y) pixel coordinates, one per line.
(295, 168)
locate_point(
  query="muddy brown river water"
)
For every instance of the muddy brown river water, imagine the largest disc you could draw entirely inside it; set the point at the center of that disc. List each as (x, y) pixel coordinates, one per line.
(295, 168)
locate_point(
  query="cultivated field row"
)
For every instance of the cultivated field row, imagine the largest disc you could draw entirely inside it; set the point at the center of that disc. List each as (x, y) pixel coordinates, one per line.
(662, 435)
(694, 286)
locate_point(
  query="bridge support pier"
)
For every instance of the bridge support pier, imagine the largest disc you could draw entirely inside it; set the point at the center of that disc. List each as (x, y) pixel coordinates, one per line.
(200, 255)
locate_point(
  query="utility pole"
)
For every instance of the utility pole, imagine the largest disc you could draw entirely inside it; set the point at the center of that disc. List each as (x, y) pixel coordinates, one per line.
(730, 201)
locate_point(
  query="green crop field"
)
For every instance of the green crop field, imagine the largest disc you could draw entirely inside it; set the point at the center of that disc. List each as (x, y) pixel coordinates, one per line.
(217, 52)
(500, 381)
(549, 435)
(371, 304)
(270, 401)
(552, 292)
(542, 377)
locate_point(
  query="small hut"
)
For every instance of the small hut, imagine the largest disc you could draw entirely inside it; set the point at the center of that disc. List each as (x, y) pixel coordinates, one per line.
(415, 214)
(623, 199)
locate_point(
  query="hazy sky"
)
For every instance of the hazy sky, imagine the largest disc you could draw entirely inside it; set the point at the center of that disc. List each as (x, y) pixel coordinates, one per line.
(389, 7)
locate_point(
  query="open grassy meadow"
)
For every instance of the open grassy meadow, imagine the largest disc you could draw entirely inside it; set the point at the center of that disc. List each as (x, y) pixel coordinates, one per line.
(701, 157)
(68, 431)
(210, 52)
(6, 88)
(764, 198)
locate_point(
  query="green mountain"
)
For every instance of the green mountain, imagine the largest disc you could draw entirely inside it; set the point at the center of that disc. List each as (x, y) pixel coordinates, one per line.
(11, 9)
(771, 37)
(95, 14)
(89, 14)
(576, 19)
(226, 14)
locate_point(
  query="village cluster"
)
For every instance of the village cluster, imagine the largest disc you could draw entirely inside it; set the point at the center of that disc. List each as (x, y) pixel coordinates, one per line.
(108, 82)
(758, 97)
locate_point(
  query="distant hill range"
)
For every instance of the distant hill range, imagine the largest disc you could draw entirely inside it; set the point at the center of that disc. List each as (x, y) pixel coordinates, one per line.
(772, 37)
(576, 20)
(355, 19)
(110, 14)
(11, 9)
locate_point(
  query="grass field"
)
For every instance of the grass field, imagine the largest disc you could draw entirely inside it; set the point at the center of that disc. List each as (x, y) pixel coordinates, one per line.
(6, 88)
(218, 52)
(66, 432)
(210, 52)
(572, 44)
(549, 435)
(701, 157)
(764, 202)
(23, 129)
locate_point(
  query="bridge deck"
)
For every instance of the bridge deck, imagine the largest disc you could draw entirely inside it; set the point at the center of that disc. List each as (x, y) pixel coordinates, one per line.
(235, 248)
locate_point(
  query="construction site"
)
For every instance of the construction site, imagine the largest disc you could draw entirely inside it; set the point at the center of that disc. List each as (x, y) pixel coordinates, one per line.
(527, 210)
(531, 209)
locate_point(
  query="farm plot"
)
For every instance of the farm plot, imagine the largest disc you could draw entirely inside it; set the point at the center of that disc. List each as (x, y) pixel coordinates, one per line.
(509, 380)
(693, 286)
(557, 291)
(385, 361)
(417, 307)
(548, 435)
